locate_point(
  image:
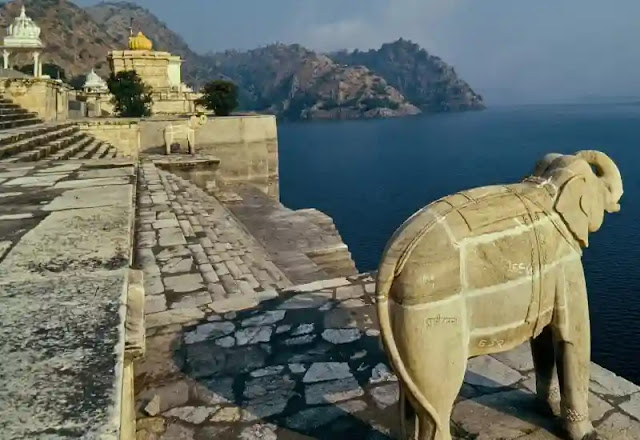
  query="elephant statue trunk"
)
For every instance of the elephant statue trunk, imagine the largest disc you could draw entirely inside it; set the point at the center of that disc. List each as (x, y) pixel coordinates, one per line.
(486, 269)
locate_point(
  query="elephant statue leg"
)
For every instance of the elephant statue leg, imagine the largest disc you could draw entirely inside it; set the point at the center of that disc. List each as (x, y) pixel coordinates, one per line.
(544, 361)
(191, 141)
(408, 420)
(168, 140)
(573, 354)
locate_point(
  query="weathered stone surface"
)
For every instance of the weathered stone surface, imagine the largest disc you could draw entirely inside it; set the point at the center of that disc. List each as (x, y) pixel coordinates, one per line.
(155, 303)
(306, 301)
(632, 406)
(488, 372)
(381, 373)
(37, 180)
(190, 414)
(266, 318)
(385, 395)
(163, 398)
(303, 329)
(114, 195)
(72, 241)
(194, 299)
(333, 391)
(184, 283)
(171, 237)
(620, 427)
(85, 183)
(259, 432)
(341, 335)
(321, 371)
(177, 432)
(268, 371)
(226, 415)
(174, 316)
(605, 382)
(253, 335)
(496, 416)
(177, 265)
(209, 331)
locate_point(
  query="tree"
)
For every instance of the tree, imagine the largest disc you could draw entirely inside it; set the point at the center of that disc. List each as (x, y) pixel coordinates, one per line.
(77, 82)
(220, 96)
(131, 96)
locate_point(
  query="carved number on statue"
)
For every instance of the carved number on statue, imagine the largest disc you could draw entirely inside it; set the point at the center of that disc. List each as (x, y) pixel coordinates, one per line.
(486, 343)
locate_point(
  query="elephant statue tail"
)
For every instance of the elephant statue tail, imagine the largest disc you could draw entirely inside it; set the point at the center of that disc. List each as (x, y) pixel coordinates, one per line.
(385, 277)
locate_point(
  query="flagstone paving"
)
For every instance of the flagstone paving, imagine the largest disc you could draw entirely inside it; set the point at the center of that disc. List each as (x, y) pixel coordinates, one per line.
(307, 363)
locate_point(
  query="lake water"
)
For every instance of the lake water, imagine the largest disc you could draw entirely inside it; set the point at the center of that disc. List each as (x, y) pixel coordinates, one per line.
(371, 175)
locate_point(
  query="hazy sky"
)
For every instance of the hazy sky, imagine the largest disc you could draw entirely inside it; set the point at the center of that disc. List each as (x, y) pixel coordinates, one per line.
(508, 50)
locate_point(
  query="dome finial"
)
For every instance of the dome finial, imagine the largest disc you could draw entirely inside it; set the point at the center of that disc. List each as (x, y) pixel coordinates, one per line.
(23, 12)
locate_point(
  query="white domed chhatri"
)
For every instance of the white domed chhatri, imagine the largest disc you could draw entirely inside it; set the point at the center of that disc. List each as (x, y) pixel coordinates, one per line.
(23, 35)
(23, 32)
(94, 83)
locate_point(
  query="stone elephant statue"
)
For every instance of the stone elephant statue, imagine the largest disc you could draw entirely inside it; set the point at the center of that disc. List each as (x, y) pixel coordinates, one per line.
(483, 271)
(183, 131)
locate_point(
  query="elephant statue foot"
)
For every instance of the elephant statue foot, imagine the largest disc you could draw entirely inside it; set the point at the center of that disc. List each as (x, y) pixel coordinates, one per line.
(487, 269)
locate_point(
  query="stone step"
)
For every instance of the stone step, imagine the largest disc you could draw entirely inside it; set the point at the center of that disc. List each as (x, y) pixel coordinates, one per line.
(17, 134)
(8, 105)
(14, 116)
(48, 150)
(29, 120)
(89, 151)
(69, 150)
(101, 151)
(9, 111)
(111, 152)
(29, 140)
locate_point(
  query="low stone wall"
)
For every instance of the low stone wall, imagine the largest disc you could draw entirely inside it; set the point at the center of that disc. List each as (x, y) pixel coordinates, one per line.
(166, 103)
(247, 147)
(123, 134)
(46, 97)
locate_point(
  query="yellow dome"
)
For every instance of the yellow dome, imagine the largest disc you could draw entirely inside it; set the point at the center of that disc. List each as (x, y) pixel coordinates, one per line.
(140, 42)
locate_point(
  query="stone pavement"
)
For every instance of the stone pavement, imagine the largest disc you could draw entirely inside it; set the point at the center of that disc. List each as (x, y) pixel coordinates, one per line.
(194, 254)
(306, 363)
(65, 246)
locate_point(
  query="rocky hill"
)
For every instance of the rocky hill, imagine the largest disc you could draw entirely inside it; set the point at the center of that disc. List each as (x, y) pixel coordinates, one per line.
(74, 40)
(297, 83)
(424, 79)
(291, 81)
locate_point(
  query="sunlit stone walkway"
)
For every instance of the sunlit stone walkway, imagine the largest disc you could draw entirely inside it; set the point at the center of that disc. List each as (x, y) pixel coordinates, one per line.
(234, 352)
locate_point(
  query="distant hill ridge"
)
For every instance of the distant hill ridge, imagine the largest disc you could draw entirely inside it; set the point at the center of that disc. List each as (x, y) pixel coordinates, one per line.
(290, 81)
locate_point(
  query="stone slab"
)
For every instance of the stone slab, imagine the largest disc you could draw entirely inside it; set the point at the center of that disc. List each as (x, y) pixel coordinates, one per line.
(93, 197)
(62, 353)
(78, 240)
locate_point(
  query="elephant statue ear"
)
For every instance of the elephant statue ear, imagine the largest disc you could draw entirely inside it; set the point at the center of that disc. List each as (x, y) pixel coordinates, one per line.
(193, 120)
(572, 205)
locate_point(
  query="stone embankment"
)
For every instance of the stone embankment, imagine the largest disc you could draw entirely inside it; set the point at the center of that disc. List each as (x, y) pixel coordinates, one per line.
(257, 323)
(239, 348)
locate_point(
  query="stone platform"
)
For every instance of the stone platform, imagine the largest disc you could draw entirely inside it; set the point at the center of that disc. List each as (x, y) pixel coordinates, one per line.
(306, 363)
(234, 351)
(65, 246)
(239, 344)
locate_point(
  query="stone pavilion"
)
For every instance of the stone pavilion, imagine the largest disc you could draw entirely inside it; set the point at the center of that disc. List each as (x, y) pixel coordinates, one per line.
(23, 35)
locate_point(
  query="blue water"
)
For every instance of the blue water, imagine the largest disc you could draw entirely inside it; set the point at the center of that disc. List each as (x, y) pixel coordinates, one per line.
(371, 175)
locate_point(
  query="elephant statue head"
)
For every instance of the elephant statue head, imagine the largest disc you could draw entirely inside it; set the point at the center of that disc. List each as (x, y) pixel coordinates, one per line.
(588, 184)
(197, 121)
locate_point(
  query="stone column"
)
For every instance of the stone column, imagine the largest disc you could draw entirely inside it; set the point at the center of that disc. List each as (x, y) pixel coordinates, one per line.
(36, 64)
(6, 54)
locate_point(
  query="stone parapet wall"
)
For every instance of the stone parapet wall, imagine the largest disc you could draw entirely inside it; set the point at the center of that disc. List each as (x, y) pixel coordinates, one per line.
(247, 147)
(46, 97)
(123, 134)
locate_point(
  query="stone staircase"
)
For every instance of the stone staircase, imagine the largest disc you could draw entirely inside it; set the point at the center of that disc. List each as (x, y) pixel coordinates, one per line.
(55, 141)
(26, 138)
(12, 115)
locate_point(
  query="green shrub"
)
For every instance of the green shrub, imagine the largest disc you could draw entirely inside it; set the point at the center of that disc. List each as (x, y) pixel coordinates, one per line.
(131, 96)
(220, 96)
